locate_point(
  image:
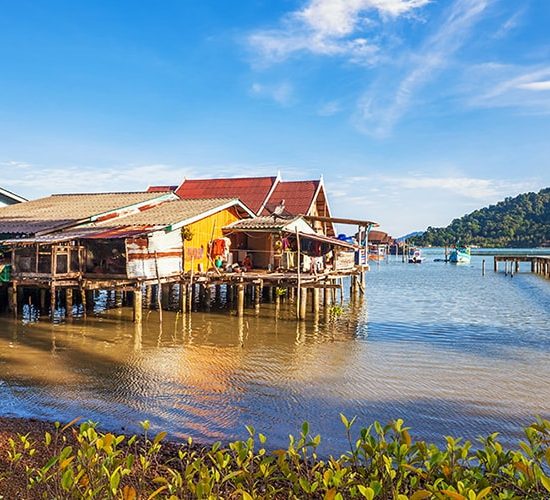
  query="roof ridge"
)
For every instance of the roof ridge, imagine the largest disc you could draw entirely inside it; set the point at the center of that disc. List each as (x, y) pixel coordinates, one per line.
(103, 193)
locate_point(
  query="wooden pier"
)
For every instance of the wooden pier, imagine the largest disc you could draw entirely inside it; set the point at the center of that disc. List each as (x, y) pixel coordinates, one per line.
(540, 264)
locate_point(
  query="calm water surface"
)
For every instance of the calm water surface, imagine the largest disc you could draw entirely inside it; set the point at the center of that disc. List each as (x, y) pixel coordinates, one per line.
(438, 345)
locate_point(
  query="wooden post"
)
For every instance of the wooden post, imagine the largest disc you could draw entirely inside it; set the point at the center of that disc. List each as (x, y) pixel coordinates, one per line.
(147, 299)
(83, 300)
(69, 302)
(483, 267)
(495, 265)
(257, 297)
(517, 266)
(42, 300)
(302, 305)
(299, 289)
(52, 302)
(118, 298)
(183, 297)
(315, 300)
(14, 304)
(511, 268)
(138, 304)
(240, 299)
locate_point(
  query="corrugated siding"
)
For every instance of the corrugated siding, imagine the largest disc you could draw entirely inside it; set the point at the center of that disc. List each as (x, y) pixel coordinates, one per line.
(156, 256)
(203, 231)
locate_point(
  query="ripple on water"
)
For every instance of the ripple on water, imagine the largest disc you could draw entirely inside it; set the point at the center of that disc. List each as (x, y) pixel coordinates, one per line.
(446, 349)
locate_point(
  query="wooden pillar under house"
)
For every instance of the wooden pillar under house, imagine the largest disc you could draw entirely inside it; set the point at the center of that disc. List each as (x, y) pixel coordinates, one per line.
(69, 302)
(138, 305)
(13, 299)
(240, 300)
(302, 306)
(315, 300)
(183, 297)
(83, 300)
(53, 301)
(257, 297)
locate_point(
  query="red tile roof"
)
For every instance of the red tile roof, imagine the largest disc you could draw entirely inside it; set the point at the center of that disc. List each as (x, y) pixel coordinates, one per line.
(297, 195)
(252, 191)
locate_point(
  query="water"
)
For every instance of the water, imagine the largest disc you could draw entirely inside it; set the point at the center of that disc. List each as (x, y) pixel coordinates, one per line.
(447, 350)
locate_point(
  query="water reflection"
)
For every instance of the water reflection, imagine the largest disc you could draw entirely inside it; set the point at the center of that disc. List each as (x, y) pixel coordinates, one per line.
(440, 346)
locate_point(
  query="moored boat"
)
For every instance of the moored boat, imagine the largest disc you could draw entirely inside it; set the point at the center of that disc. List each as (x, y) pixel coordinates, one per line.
(415, 256)
(460, 255)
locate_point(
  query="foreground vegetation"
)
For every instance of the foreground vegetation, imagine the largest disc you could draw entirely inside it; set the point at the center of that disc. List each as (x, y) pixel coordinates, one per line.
(382, 463)
(523, 221)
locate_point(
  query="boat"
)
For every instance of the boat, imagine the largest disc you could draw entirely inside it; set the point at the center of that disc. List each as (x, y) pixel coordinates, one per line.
(460, 255)
(415, 256)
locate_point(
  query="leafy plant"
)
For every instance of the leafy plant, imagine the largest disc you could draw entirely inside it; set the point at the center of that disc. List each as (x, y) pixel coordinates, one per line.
(383, 462)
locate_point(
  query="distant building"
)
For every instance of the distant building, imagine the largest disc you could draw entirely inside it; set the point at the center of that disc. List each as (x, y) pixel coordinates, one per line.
(9, 198)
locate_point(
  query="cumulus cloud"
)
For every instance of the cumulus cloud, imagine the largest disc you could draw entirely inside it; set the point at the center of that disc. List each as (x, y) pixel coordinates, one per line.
(329, 27)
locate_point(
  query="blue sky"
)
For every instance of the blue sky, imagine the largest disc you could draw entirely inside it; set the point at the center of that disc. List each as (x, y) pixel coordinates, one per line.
(414, 111)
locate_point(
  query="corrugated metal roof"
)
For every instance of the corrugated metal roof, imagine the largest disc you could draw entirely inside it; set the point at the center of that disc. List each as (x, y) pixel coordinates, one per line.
(61, 210)
(153, 218)
(297, 195)
(252, 191)
(264, 223)
(169, 212)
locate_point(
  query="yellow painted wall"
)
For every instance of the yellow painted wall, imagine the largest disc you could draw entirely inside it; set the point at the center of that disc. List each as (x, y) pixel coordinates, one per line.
(195, 251)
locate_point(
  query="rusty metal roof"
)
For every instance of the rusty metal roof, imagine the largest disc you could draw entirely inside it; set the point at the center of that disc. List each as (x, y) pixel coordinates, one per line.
(264, 223)
(62, 210)
(158, 217)
(252, 191)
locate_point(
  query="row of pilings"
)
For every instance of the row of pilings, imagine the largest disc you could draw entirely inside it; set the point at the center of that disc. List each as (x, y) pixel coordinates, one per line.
(59, 303)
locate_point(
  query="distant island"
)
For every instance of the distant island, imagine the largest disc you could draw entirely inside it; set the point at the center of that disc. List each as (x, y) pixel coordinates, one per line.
(523, 221)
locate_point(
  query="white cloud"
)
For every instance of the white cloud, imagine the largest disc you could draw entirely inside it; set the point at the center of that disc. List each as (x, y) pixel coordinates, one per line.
(34, 181)
(413, 201)
(544, 85)
(508, 86)
(379, 110)
(329, 27)
(281, 93)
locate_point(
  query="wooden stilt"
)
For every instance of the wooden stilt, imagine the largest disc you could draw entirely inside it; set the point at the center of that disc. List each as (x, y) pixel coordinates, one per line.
(118, 298)
(183, 297)
(483, 267)
(240, 300)
(138, 305)
(315, 300)
(52, 302)
(257, 297)
(14, 305)
(69, 302)
(83, 300)
(42, 299)
(302, 306)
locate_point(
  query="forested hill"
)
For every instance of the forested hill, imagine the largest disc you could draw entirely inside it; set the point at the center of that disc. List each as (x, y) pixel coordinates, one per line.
(523, 221)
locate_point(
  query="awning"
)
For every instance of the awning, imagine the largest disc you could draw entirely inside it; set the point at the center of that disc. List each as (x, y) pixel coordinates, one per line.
(329, 240)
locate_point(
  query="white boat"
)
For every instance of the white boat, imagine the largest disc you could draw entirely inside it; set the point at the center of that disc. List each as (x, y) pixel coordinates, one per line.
(415, 256)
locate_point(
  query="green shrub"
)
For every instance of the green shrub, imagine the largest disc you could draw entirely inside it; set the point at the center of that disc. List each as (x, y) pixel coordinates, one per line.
(382, 463)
